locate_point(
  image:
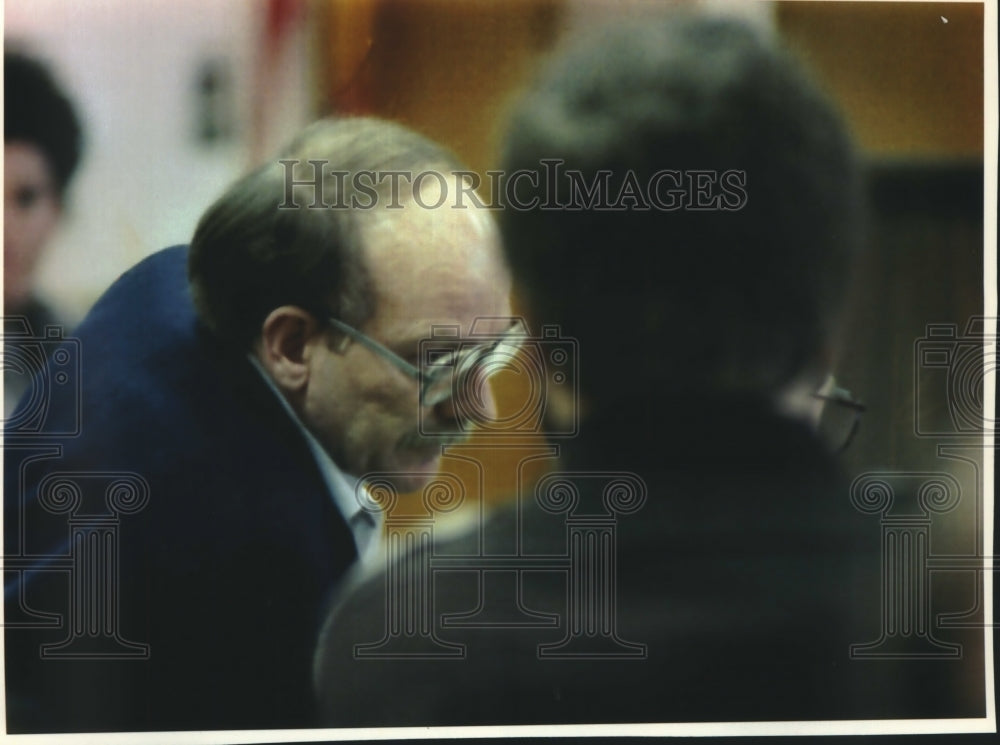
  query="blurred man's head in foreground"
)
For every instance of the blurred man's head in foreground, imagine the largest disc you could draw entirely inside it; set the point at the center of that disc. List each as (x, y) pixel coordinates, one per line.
(706, 243)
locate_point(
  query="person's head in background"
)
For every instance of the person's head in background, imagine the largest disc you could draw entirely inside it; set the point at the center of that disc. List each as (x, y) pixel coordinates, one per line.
(43, 142)
(307, 288)
(672, 303)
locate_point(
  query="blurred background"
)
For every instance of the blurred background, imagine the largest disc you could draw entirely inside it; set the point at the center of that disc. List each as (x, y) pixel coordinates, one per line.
(179, 97)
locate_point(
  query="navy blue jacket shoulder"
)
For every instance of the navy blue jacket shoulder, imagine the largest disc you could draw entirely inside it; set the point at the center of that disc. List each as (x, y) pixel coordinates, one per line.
(169, 540)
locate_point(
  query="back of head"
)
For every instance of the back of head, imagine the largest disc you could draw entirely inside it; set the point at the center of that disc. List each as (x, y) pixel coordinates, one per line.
(288, 233)
(720, 256)
(37, 112)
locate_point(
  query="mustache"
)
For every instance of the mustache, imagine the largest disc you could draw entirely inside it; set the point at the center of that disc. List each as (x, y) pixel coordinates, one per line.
(416, 440)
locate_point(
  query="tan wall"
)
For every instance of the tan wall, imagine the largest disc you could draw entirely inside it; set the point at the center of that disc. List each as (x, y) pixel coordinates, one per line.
(446, 68)
(908, 75)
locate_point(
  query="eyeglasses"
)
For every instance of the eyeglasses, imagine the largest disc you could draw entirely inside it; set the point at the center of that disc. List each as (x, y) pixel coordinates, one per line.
(840, 423)
(446, 363)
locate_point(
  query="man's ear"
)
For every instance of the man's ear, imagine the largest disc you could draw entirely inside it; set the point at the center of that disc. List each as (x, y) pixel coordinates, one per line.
(284, 346)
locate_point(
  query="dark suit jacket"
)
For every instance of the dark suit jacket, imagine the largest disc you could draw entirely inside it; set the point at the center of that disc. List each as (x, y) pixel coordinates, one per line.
(747, 575)
(213, 542)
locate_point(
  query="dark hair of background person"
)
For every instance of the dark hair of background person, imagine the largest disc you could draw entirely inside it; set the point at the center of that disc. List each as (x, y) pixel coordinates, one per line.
(37, 111)
(250, 256)
(743, 300)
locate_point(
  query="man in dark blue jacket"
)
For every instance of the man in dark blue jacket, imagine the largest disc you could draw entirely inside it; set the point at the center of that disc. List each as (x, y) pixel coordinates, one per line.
(181, 485)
